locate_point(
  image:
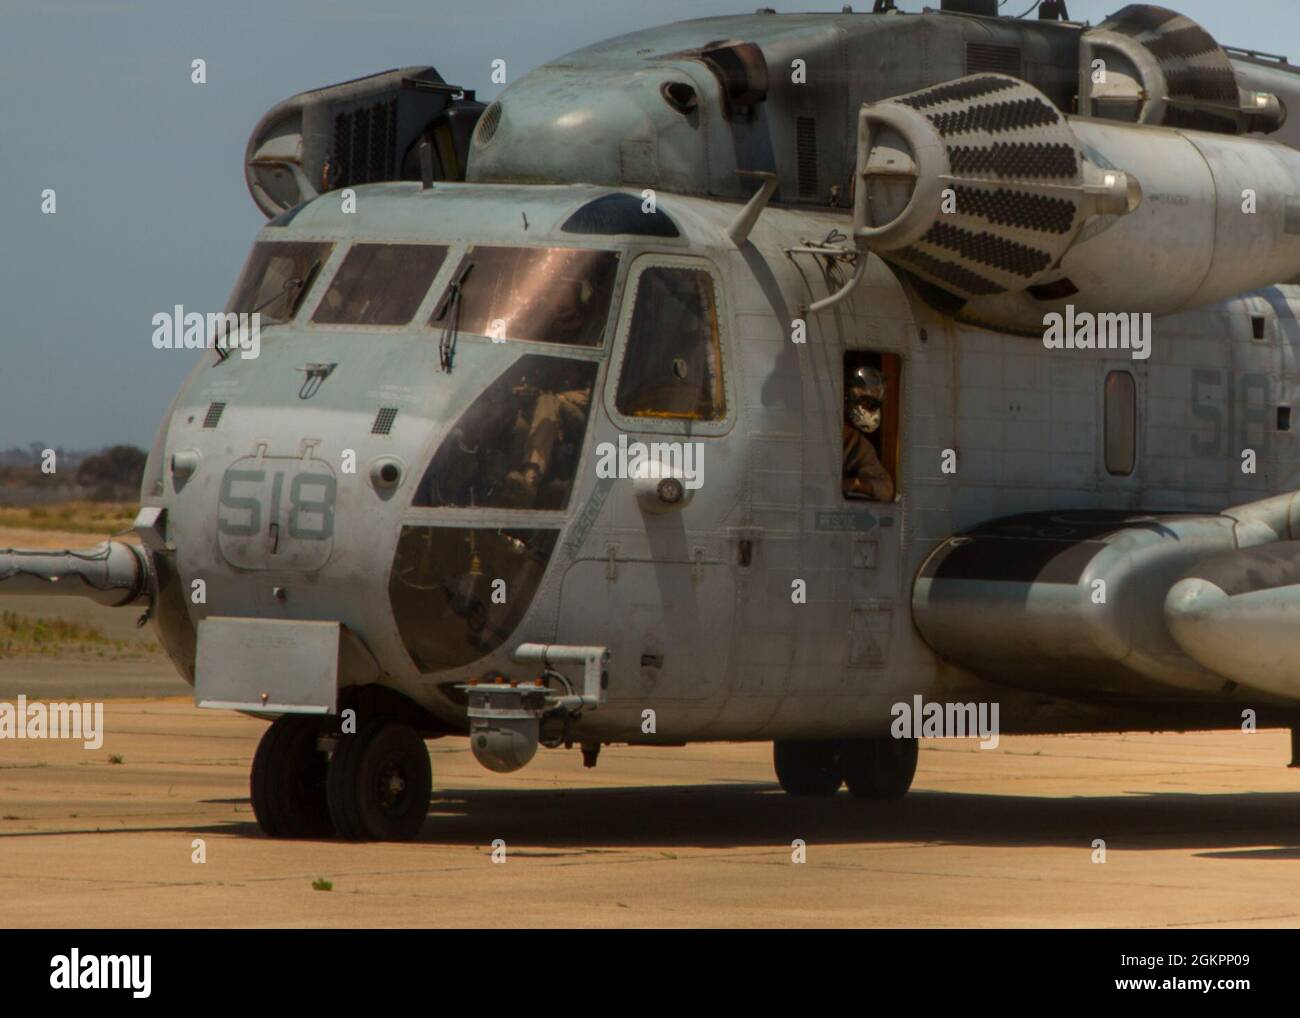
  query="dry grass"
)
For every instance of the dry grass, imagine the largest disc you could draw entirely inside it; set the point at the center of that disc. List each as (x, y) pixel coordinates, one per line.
(53, 637)
(99, 518)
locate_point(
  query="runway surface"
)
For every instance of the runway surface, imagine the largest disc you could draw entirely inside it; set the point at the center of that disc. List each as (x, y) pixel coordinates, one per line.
(1199, 830)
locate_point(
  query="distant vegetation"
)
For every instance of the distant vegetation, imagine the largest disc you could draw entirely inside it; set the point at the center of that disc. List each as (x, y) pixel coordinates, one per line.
(101, 518)
(110, 475)
(113, 471)
(54, 637)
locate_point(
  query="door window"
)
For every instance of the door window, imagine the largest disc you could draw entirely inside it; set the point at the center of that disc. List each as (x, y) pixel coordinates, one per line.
(870, 427)
(672, 367)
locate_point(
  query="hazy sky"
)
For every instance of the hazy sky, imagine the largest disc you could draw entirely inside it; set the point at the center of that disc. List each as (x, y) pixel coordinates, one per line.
(96, 102)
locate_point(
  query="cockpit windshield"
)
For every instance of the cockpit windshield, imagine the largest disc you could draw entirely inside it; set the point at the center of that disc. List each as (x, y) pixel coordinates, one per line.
(380, 284)
(546, 295)
(275, 278)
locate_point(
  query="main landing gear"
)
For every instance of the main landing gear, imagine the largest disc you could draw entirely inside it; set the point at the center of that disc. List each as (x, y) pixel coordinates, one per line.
(374, 785)
(880, 768)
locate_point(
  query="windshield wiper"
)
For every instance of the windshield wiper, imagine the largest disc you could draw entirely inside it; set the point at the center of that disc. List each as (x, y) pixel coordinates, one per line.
(450, 303)
(295, 284)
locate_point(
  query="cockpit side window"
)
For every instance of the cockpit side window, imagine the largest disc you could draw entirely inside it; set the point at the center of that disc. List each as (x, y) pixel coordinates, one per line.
(276, 277)
(380, 284)
(673, 365)
(518, 444)
(545, 295)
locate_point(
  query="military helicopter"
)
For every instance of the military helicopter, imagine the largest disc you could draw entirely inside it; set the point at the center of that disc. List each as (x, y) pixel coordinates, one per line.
(742, 379)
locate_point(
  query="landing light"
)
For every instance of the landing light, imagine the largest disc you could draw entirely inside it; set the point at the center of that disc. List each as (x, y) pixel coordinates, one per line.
(386, 474)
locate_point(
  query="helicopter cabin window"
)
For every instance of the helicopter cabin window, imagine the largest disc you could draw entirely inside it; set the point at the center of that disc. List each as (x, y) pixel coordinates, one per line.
(276, 277)
(518, 444)
(380, 284)
(538, 294)
(1121, 424)
(870, 426)
(673, 364)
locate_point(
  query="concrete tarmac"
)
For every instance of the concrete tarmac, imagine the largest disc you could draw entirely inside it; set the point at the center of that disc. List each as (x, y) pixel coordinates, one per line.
(1199, 830)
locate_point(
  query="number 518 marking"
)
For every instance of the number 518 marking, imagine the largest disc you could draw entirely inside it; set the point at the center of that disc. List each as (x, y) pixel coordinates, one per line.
(301, 509)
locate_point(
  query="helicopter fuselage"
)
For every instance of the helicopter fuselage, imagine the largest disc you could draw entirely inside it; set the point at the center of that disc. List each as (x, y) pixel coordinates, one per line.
(341, 475)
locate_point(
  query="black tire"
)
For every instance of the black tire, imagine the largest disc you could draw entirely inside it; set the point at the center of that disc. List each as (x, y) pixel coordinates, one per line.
(808, 767)
(879, 768)
(287, 784)
(379, 783)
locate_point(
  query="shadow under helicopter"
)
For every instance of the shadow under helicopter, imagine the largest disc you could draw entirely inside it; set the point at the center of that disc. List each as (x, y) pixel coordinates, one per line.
(1213, 825)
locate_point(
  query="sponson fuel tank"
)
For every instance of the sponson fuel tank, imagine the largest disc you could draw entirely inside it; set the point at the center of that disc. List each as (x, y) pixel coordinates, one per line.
(1070, 602)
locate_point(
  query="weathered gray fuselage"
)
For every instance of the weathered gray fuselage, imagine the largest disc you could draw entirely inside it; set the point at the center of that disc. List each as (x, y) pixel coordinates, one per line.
(704, 631)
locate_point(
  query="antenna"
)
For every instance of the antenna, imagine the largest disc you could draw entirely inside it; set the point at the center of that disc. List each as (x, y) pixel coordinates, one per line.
(426, 163)
(740, 229)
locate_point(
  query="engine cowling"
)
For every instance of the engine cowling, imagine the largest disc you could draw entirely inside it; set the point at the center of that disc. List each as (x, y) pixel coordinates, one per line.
(1010, 210)
(359, 132)
(1150, 65)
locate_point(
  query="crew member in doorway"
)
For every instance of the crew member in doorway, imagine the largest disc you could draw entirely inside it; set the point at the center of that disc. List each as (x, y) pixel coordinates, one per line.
(864, 401)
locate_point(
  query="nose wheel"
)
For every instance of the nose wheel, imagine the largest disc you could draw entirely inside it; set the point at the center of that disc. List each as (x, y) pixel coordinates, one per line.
(288, 780)
(375, 786)
(379, 782)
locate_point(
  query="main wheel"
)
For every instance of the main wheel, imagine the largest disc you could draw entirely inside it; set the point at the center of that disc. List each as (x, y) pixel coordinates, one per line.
(288, 780)
(379, 783)
(808, 767)
(879, 768)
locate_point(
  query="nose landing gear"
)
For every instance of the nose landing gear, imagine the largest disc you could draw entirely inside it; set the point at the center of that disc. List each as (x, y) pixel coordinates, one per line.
(288, 780)
(374, 787)
(880, 768)
(379, 783)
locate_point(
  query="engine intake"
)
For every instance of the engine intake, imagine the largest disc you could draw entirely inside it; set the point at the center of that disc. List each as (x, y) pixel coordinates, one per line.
(979, 185)
(359, 132)
(1151, 65)
(1009, 210)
